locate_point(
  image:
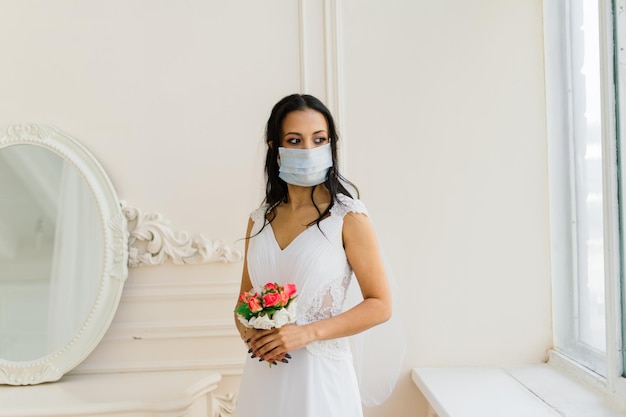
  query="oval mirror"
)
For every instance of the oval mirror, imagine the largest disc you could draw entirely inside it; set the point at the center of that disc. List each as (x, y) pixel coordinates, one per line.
(63, 254)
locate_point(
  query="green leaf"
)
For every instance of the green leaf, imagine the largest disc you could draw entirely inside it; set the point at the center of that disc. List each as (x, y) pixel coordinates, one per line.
(244, 311)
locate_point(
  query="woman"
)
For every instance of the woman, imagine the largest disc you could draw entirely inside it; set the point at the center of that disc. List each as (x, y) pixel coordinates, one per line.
(311, 232)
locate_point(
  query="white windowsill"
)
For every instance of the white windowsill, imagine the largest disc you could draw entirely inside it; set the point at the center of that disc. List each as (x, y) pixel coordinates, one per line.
(525, 391)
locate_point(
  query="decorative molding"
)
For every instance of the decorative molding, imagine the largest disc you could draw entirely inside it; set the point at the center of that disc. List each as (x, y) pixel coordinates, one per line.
(224, 405)
(227, 367)
(321, 57)
(303, 45)
(153, 242)
(27, 132)
(172, 330)
(333, 68)
(118, 268)
(31, 375)
(166, 394)
(174, 291)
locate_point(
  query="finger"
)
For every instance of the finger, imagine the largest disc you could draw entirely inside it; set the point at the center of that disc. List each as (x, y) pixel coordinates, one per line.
(272, 359)
(256, 342)
(263, 343)
(276, 361)
(262, 349)
(270, 351)
(260, 338)
(283, 357)
(280, 357)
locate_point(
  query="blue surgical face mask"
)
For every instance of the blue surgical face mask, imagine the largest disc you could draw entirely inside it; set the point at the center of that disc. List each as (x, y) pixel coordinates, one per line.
(305, 167)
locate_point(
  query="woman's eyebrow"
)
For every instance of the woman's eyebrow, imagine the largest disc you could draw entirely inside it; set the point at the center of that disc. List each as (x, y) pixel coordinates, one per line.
(300, 134)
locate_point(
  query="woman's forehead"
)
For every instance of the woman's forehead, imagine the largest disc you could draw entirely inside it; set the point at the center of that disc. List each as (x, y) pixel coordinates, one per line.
(309, 120)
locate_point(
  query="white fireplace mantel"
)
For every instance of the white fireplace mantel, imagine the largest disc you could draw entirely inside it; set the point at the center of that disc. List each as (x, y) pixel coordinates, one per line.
(137, 394)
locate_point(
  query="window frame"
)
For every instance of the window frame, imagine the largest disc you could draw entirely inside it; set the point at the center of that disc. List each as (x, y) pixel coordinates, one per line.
(557, 48)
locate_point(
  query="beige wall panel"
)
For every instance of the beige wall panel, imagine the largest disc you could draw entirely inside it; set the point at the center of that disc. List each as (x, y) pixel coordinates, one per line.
(445, 135)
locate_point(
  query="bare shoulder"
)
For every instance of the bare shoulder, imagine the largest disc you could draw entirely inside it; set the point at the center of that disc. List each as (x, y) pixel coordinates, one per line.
(357, 227)
(363, 253)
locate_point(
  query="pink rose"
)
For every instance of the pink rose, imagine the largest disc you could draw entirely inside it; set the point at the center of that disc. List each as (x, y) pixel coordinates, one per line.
(269, 286)
(244, 297)
(271, 299)
(290, 289)
(254, 304)
(284, 298)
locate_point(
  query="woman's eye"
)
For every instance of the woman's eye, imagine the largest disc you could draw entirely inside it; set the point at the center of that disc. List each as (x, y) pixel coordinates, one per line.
(293, 141)
(320, 140)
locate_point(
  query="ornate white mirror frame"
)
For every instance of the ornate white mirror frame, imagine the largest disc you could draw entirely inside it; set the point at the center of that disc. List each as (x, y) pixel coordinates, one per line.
(54, 364)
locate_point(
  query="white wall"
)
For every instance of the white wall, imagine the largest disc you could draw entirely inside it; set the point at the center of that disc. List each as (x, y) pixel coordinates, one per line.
(446, 136)
(441, 107)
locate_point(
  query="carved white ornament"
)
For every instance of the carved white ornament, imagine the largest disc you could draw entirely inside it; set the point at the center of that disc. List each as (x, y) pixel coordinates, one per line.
(224, 405)
(27, 132)
(119, 248)
(153, 242)
(29, 375)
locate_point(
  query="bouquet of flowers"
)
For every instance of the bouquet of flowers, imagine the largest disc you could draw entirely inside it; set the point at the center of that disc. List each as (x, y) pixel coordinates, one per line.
(274, 307)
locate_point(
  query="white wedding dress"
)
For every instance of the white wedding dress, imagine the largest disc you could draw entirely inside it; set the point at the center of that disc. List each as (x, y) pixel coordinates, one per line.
(319, 380)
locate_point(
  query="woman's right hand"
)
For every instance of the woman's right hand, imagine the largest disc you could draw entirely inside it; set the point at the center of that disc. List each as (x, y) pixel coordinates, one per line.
(257, 340)
(274, 345)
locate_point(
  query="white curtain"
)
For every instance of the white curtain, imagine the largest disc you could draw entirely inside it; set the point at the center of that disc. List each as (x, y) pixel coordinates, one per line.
(76, 261)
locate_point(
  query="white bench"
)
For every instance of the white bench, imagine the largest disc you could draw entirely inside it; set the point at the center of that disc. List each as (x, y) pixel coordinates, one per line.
(531, 391)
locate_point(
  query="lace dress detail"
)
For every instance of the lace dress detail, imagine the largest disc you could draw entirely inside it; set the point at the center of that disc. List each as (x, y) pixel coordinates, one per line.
(327, 303)
(345, 205)
(258, 217)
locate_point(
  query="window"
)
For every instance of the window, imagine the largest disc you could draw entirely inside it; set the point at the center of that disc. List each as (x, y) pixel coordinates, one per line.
(583, 93)
(619, 36)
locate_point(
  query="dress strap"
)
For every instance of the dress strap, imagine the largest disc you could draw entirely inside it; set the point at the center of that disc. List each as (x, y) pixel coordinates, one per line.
(345, 205)
(258, 217)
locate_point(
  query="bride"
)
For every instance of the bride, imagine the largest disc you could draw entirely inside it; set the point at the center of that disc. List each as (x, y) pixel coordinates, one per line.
(313, 232)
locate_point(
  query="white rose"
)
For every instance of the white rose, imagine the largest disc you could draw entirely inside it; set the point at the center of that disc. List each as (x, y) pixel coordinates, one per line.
(261, 322)
(286, 315)
(291, 309)
(281, 317)
(243, 320)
